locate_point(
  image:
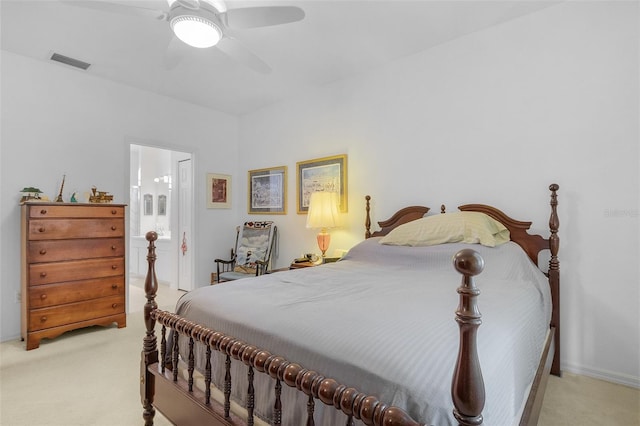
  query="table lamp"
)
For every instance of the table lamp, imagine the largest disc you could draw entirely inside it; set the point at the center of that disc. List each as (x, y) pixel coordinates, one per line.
(323, 214)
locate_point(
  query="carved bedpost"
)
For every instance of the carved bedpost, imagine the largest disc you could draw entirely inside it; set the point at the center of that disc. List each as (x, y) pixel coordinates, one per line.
(467, 387)
(149, 345)
(367, 221)
(554, 275)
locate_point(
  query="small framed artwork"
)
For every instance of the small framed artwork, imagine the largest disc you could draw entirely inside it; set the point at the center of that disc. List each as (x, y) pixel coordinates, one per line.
(268, 191)
(321, 174)
(218, 191)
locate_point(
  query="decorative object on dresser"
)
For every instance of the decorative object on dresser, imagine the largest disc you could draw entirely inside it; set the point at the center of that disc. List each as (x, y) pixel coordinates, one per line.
(59, 197)
(98, 196)
(72, 267)
(30, 193)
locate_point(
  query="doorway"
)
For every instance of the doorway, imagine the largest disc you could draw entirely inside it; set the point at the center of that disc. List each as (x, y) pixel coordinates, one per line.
(160, 200)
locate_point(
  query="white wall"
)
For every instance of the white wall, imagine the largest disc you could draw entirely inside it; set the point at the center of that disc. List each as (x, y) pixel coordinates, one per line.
(56, 120)
(495, 117)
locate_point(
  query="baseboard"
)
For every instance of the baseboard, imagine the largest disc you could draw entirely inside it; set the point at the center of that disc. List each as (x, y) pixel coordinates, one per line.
(609, 376)
(11, 336)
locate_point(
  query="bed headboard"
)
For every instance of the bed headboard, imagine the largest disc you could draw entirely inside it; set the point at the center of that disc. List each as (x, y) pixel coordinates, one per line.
(404, 215)
(531, 244)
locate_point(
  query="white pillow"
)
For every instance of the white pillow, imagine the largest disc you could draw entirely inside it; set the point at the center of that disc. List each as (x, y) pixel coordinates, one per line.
(466, 227)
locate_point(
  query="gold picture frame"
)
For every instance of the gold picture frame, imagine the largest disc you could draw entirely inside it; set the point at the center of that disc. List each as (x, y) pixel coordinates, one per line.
(321, 174)
(218, 191)
(267, 192)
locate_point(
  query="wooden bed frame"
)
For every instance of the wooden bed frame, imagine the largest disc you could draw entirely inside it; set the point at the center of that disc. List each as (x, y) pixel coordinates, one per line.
(182, 403)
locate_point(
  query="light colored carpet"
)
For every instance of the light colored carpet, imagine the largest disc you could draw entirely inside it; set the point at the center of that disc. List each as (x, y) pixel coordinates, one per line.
(579, 400)
(84, 377)
(91, 377)
(166, 298)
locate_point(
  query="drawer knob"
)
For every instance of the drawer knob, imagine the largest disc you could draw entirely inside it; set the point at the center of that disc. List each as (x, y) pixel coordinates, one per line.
(43, 211)
(43, 296)
(114, 211)
(114, 286)
(115, 305)
(113, 247)
(43, 251)
(43, 274)
(41, 229)
(114, 267)
(43, 319)
(113, 228)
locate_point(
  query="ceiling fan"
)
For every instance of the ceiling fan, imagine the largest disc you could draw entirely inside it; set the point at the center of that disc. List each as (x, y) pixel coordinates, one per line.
(204, 23)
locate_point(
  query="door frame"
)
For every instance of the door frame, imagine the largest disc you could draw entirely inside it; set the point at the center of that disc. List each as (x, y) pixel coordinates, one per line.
(180, 220)
(174, 212)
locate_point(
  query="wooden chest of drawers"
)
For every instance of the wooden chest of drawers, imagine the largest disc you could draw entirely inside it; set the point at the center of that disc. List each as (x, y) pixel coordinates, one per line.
(73, 266)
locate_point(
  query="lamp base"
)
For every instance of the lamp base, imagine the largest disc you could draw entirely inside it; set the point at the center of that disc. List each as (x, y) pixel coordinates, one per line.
(323, 242)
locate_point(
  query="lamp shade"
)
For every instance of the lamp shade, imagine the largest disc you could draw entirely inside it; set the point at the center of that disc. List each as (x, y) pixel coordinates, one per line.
(323, 210)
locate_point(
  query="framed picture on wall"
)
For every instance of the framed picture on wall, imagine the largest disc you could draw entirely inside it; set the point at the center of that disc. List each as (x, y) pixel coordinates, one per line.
(218, 191)
(268, 191)
(322, 174)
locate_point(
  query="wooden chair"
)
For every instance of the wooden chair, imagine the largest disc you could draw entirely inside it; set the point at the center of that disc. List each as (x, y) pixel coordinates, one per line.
(251, 255)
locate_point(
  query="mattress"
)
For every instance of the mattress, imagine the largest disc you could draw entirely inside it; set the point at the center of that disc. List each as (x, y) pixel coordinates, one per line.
(382, 320)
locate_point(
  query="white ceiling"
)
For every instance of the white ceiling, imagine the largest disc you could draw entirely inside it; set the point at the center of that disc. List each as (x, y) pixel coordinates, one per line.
(336, 40)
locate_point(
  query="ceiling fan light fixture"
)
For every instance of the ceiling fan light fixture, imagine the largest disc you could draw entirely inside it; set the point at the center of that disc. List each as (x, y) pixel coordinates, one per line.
(196, 31)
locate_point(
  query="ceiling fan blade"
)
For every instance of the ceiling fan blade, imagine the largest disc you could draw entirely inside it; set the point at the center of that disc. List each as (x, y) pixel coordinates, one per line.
(174, 53)
(234, 49)
(253, 17)
(189, 4)
(106, 6)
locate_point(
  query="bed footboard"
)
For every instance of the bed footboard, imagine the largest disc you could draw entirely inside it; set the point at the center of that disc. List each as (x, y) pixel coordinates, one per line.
(354, 404)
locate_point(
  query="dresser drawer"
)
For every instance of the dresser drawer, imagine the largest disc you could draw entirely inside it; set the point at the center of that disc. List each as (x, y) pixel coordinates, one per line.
(57, 294)
(51, 229)
(92, 211)
(54, 272)
(40, 319)
(57, 250)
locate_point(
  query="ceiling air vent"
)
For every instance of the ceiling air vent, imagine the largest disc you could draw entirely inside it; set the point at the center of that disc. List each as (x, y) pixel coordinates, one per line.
(70, 61)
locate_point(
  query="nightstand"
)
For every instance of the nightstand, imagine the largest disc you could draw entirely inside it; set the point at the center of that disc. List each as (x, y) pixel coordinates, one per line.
(298, 265)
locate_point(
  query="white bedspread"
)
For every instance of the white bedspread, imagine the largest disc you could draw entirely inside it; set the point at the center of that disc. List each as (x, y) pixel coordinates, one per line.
(382, 320)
